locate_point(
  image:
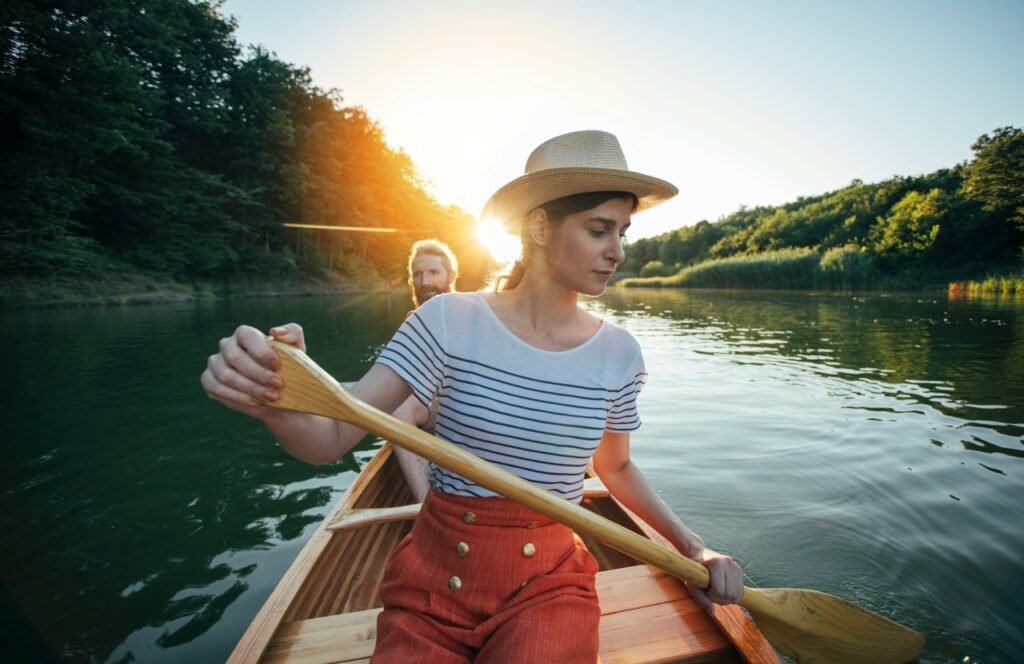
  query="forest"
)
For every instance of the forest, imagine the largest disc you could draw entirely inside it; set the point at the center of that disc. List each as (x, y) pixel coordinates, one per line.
(139, 137)
(957, 228)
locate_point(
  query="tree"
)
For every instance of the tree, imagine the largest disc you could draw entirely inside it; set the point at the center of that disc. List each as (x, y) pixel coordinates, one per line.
(996, 176)
(911, 226)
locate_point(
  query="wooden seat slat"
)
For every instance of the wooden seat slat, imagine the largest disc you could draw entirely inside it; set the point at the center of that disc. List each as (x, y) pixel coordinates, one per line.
(647, 617)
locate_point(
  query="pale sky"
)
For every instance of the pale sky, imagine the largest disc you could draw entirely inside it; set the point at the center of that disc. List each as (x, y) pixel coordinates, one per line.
(736, 103)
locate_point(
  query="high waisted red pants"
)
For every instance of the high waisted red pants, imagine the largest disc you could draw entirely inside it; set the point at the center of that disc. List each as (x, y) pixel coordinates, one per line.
(487, 580)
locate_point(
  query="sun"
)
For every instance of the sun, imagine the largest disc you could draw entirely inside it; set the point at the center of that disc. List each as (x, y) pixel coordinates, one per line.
(499, 243)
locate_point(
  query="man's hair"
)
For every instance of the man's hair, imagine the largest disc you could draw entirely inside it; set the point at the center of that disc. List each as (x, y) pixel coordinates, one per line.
(435, 248)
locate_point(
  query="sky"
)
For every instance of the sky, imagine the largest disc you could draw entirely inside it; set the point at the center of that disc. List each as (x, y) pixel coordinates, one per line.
(736, 103)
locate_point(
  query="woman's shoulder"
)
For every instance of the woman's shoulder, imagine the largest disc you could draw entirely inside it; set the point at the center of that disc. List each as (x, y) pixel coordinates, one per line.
(616, 333)
(451, 306)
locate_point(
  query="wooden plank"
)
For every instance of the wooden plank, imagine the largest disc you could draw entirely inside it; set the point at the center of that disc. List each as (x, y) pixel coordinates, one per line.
(669, 632)
(673, 632)
(373, 516)
(341, 638)
(637, 586)
(646, 617)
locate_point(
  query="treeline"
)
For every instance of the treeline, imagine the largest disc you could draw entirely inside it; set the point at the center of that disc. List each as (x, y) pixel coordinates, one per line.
(962, 223)
(139, 134)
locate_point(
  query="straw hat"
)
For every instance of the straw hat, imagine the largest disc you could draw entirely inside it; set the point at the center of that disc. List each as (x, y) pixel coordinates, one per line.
(574, 163)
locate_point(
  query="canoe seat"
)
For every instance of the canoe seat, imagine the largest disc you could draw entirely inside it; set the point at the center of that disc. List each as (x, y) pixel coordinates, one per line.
(371, 516)
(646, 617)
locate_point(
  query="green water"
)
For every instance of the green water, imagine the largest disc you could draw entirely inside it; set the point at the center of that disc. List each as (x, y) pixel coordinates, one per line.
(870, 447)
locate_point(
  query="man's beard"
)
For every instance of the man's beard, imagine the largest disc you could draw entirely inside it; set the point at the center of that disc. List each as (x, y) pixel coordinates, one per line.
(424, 293)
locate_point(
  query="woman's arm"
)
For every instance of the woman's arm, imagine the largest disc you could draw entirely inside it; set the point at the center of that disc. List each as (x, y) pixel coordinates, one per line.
(243, 377)
(627, 483)
(415, 468)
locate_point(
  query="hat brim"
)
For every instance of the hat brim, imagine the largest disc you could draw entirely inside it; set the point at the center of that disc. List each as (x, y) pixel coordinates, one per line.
(510, 203)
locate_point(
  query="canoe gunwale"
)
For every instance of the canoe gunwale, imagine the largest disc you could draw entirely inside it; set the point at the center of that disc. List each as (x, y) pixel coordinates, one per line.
(260, 632)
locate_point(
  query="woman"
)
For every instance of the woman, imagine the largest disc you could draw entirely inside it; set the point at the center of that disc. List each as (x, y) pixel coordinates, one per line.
(526, 379)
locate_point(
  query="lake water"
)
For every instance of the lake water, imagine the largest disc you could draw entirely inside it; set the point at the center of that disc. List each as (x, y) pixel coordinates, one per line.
(866, 446)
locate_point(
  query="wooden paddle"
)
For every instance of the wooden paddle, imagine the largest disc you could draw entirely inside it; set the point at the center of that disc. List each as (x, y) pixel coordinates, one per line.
(808, 625)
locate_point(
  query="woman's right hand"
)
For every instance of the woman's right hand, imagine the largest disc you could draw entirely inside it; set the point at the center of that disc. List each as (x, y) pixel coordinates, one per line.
(242, 375)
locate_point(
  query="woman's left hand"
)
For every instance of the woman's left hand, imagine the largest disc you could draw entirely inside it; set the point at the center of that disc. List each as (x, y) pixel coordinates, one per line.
(726, 582)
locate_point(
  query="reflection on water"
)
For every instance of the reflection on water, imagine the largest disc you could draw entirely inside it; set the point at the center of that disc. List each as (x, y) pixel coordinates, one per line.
(865, 446)
(128, 494)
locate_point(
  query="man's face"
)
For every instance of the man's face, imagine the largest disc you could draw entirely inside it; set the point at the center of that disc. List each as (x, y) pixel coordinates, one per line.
(428, 278)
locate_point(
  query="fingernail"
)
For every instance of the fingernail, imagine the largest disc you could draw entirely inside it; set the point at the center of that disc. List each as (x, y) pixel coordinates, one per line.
(279, 330)
(271, 395)
(276, 382)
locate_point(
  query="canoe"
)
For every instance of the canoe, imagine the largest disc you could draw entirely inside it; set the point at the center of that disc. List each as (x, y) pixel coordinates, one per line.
(324, 609)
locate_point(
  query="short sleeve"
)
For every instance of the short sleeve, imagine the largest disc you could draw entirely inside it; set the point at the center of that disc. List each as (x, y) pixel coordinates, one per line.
(417, 351)
(623, 415)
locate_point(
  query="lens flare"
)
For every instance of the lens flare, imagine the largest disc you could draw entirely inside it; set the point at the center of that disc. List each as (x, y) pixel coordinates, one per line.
(499, 243)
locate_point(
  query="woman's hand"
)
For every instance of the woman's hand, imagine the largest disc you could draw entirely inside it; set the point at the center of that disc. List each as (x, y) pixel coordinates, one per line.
(242, 375)
(726, 581)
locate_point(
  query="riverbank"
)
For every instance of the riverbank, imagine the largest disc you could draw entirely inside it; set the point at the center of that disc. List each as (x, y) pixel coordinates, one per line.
(841, 269)
(138, 289)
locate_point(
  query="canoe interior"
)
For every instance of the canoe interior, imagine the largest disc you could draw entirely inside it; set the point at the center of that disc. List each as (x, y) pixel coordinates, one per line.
(347, 575)
(324, 609)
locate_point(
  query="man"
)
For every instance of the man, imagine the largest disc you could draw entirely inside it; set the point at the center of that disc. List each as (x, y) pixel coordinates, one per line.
(433, 270)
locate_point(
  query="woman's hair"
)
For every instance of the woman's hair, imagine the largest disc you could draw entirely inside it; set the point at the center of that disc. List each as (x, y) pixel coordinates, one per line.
(556, 211)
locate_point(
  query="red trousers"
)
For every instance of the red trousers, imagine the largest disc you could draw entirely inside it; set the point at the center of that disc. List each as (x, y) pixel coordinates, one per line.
(488, 580)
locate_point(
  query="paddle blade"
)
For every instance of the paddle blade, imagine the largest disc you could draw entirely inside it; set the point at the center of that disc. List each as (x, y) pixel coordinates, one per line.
(812, 627)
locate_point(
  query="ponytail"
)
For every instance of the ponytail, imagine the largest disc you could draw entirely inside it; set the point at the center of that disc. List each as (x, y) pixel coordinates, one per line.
(511, 277)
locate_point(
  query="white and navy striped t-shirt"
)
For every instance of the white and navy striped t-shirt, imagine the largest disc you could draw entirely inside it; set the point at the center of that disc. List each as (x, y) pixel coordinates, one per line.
(536, 413)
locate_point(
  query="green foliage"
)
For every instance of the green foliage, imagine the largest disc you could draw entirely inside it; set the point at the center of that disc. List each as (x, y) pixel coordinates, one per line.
(845, 268)
(656, 269)
(136, 132)
(911, 226)
(996, 176)
(902, 232)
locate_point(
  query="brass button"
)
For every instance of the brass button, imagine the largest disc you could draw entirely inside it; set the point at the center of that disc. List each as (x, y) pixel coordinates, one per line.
(468, 517)
(462, 549)
(454, 583)
(532, 524)
(529, 549)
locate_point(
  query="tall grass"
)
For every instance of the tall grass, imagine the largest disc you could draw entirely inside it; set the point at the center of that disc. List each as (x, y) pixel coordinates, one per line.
(840, 268)
(787, 268)
(1004, 284)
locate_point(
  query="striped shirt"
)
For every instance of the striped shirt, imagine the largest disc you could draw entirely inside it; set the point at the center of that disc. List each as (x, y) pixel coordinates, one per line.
(536, 413)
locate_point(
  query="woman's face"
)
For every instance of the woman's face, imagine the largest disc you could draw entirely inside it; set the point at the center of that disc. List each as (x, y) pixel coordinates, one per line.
(584, 250)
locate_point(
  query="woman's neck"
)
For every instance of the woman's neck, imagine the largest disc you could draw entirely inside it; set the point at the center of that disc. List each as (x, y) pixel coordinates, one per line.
(543, 312)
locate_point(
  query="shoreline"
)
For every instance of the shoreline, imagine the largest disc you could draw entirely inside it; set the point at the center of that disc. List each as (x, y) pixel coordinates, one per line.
(63, 293)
